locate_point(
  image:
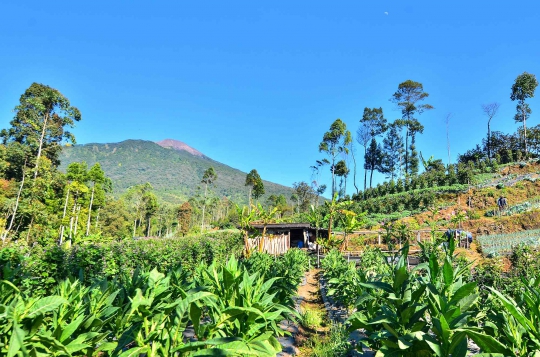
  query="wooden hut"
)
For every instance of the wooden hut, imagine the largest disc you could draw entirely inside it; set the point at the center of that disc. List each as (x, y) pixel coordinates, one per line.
(282, 236)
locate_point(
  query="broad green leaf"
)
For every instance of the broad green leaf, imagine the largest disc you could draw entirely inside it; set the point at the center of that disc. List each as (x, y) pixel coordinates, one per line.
(70, 329)
(45, 305)
(378, 285)
(434, 345)
(467, 302)
(488, 343)
(76, 347)
(511, 307)
(458, 347)
(16, 343)
(448, 273)
(463, 291)
(403, 344)
(134, 352)
(107, 347)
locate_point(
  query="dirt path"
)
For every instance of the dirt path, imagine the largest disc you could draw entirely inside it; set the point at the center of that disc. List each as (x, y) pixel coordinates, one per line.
(308, 297)
(309, 292)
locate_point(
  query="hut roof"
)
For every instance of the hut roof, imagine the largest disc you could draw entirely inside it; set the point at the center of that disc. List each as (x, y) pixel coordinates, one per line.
(282, 225)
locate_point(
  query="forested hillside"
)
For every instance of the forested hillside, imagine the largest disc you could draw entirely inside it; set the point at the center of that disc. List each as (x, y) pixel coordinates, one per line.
(174, 174)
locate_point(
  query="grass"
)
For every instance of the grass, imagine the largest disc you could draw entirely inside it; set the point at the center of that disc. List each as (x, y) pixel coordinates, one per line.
(333, 344)
(312, 318)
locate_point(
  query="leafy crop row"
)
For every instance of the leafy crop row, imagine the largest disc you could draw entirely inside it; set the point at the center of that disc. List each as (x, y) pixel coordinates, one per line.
(39, 268)
(497, 244)
(434, 309)
(219, 309)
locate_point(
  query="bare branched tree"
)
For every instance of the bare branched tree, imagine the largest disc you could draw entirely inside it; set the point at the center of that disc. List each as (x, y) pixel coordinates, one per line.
(490, 110)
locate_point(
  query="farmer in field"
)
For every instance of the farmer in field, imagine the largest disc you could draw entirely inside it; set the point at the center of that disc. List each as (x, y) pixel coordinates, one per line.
(502, 203)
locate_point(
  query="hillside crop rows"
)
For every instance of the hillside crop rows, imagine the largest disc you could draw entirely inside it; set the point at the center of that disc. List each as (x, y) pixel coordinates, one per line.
(496, 244)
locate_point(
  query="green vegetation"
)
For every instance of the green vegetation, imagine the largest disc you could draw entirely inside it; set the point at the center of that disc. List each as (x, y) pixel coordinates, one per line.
(496, 244)
(121, 304)
(114, 253)
(229, 309)
(311, 318)
(433, 309)
(174, 174)
(335, 344)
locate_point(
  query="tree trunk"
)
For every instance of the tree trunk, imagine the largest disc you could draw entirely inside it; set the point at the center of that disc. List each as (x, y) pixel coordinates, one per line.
(134, 227)
(203, 209)
(330, 221)
(71, 219)
(249, 199)
(354, 173)
(41, 144)
(407, 152)
(4, 236)
(246, 242)
(371, 177)
(97, 218)
(90, 210)
(261, 244)
(365, 171)
(64, 216)
(344, 244)
(525, 132)
(333, 176)
(76, 221)
(489, 142)
(29, 229)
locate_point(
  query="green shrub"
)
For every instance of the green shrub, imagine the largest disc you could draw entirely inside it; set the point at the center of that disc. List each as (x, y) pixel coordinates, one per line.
(473, 214)
(39, 268)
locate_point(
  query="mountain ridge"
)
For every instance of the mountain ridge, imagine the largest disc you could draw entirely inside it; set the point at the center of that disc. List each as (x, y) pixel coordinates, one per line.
(175, 174)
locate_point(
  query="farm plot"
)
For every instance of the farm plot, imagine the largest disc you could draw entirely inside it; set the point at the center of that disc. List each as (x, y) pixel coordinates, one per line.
(498, 244)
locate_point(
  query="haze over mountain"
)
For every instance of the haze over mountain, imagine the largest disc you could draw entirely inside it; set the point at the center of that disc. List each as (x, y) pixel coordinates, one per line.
(172, 167)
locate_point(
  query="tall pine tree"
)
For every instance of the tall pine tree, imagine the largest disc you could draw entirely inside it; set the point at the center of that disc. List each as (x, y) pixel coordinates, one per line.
(393, 152)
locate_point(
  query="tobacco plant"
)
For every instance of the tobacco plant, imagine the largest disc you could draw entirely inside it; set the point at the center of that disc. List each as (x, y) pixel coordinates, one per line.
(228, 310)
(517, 324)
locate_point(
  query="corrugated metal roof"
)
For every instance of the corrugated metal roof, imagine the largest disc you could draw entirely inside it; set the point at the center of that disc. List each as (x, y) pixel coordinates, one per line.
(282, 225)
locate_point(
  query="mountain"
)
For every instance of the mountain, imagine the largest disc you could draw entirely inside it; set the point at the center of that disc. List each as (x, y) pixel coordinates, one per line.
(173, 168)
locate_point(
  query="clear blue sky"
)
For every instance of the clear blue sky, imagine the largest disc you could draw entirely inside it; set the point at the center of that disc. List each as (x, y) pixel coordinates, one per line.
(256, 84)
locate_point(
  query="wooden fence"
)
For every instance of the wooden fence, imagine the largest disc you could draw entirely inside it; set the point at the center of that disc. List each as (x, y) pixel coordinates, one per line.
(272, 245)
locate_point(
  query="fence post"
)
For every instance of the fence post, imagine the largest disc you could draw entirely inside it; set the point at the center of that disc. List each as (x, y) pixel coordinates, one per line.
(379, 238)
(318, 257)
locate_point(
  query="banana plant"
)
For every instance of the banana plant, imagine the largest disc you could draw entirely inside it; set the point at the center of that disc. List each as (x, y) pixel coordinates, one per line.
(351, 221)
(266, 217)
(246, 216)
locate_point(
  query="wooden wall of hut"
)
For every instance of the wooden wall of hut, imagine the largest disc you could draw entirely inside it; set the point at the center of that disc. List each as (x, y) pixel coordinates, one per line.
(272, 245)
